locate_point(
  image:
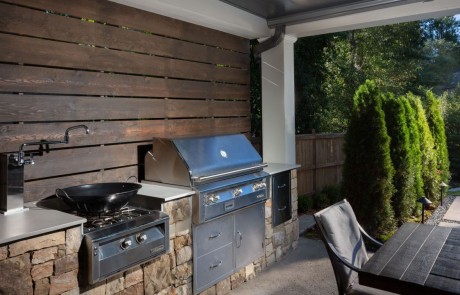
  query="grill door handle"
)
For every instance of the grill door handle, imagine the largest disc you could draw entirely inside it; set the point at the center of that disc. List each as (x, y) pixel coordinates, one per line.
(219, 263)
(282, 186)
(282, 209)
(213, 236)
(238, 239)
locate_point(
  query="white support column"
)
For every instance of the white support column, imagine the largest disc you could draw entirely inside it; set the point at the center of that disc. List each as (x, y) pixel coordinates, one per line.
(278, 103)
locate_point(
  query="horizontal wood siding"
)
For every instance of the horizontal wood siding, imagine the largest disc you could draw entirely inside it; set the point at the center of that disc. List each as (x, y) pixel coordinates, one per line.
(321, 158)
(129, 75)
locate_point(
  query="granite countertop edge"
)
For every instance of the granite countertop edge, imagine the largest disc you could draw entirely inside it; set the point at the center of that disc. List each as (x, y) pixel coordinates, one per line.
(274, 168)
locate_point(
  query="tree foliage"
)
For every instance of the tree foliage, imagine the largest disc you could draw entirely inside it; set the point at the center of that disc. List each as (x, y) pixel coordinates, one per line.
(431, 179)
(368, 172)
(436, 124)
(414, 57)
(414, 145)
(452, 127)
(404, 197)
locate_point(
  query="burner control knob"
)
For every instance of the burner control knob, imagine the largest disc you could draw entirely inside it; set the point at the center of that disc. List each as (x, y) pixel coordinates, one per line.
(125, 244)
(237, 192)
(140, 238)
(259, 186)
(211, 199)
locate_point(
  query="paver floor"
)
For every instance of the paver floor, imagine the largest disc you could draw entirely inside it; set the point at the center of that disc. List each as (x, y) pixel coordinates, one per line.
(453, 213)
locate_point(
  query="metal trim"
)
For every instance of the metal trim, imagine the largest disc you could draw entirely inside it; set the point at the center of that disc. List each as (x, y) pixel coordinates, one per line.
(200, 179)
(337, 11)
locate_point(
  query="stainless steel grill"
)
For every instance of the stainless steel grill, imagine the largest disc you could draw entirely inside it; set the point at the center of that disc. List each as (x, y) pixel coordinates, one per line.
(225, 171)
(227, 175)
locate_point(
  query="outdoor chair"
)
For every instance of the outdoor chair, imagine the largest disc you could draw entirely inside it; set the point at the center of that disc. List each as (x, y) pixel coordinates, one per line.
(343, 237)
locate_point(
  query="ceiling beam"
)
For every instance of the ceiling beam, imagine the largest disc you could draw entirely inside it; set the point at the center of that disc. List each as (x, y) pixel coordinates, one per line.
(208, 13)
(227, 18)
(378, 17)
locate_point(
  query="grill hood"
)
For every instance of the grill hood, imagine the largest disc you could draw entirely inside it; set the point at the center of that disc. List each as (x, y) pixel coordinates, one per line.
(195, 160)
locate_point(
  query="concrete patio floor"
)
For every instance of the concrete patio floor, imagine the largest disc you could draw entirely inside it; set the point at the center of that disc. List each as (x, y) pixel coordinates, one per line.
(307, 269)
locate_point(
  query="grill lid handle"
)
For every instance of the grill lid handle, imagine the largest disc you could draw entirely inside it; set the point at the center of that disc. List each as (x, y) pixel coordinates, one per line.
(199, 179)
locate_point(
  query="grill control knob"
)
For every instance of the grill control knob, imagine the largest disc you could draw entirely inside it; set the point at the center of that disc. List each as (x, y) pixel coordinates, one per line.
(140, 238)
(237, 192)
(259, 186)
(211, 199)
(125, 244)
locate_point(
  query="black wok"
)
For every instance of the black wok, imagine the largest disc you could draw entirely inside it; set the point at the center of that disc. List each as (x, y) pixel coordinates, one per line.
(98, 197)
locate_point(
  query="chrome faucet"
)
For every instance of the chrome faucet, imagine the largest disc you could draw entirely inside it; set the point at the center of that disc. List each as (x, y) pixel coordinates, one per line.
(19, 159)
(12, 172)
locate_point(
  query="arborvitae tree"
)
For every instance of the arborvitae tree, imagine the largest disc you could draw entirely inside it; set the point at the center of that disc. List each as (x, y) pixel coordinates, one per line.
(431, 178)
(368, 172)
(436, 123)
(403, 200)
(415, 152)
(452, 120)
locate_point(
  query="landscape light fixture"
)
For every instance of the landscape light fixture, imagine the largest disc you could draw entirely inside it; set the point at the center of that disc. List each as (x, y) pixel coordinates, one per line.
(442, 185)
(424, 201)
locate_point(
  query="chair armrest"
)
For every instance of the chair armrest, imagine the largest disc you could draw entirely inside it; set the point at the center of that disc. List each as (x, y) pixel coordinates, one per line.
(367, 236)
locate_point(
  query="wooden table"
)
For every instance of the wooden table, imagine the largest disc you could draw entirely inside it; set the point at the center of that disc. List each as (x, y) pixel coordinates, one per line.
(418, 259)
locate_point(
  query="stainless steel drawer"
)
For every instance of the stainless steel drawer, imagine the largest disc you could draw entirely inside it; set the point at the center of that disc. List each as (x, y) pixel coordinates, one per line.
(213, 267)
(213, 235)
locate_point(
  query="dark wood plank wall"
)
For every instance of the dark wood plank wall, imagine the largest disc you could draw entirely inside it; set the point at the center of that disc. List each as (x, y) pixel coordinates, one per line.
(127, 74)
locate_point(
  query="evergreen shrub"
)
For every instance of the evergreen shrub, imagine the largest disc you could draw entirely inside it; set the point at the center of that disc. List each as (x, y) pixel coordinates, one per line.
(368, 170)
(431, 179)
(403, 200)
(436, 124)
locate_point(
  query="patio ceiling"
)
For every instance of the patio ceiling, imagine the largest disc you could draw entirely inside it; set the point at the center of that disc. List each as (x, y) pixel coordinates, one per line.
(256, 18)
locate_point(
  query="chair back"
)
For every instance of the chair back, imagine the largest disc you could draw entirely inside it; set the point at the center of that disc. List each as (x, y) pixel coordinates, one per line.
(341, 234)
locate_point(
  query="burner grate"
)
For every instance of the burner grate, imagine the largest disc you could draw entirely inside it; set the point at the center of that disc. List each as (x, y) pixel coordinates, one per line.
(109, 218)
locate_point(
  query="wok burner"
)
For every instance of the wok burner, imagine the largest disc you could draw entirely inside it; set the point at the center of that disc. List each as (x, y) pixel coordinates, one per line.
(102, 220)
(116, 241)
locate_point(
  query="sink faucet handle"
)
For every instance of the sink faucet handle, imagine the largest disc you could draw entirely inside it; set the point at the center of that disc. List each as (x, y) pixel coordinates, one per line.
(29, 161)
(20, 159)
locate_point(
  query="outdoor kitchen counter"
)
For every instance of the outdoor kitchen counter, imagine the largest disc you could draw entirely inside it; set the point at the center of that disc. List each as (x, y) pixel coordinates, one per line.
(35, 221)
(38, 221)
(275, 168)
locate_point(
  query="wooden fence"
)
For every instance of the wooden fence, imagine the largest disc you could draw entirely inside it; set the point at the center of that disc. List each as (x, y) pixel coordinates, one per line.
(129, 75)
(321, 158)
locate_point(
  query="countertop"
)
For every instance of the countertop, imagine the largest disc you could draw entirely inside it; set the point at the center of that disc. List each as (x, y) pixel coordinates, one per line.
(165, 192)
(38, 221)
(33, 222)
(274, 168)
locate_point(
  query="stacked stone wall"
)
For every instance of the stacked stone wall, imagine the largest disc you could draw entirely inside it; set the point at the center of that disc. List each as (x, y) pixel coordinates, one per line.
(48, 264)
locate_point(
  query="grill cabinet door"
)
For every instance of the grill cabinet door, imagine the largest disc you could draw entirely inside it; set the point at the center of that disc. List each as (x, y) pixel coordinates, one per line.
(249, 234)
(281, 197)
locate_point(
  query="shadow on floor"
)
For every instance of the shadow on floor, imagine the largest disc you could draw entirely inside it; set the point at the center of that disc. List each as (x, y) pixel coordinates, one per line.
(306, 270)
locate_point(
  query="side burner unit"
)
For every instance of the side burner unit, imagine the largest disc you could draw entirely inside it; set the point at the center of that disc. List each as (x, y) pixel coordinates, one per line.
(118, 240)
(112, 244)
